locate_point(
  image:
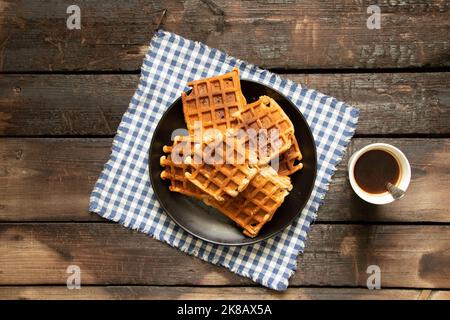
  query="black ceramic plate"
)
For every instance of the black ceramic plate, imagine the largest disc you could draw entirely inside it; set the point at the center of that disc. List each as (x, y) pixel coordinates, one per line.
(209, 224)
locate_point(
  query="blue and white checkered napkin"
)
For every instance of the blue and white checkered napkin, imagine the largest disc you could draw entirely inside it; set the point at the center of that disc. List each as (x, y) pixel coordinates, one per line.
(123, 192)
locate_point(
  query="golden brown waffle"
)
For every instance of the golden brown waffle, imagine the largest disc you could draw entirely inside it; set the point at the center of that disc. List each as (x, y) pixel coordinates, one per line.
(289, 161)
(175, 170)
(220, 166)
(256, 205)
(212, 101)
(265, 115)
(226, 169)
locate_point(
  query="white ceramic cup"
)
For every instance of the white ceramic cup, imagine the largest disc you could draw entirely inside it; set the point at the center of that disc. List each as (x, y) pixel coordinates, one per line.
(402, 183)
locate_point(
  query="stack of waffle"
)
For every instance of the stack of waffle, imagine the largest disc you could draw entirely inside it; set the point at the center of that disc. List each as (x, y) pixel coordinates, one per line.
(218, 161)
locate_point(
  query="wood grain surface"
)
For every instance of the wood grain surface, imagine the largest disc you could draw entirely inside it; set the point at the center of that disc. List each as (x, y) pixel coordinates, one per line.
(63, 93)
(390, 103)
(214, 293)
(48, 179)
(109, 254)
(114, 35)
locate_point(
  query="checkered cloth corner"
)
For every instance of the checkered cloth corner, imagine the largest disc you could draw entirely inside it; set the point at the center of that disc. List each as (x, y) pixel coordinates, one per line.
(123, 192)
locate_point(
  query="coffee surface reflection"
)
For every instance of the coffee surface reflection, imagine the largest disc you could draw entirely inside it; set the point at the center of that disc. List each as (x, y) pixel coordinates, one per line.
(374, 169)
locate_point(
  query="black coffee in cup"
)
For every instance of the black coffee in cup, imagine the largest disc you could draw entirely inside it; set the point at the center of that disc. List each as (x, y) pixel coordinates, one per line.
(374, 169)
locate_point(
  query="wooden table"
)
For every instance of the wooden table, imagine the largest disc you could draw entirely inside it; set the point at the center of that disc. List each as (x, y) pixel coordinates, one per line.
(63, 92)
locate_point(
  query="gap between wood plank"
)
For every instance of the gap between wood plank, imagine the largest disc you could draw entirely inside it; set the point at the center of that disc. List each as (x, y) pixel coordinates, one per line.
(335, 223)
(202, 286)
(109, 136)
(280, 71)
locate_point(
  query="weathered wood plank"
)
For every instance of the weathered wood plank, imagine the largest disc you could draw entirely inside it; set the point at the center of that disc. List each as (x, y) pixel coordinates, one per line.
(286, 34)
(426, 198)
(390, 103)
(212, 293)
(61, 104)
(51, 179)
(108, 254)
(405, 103)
